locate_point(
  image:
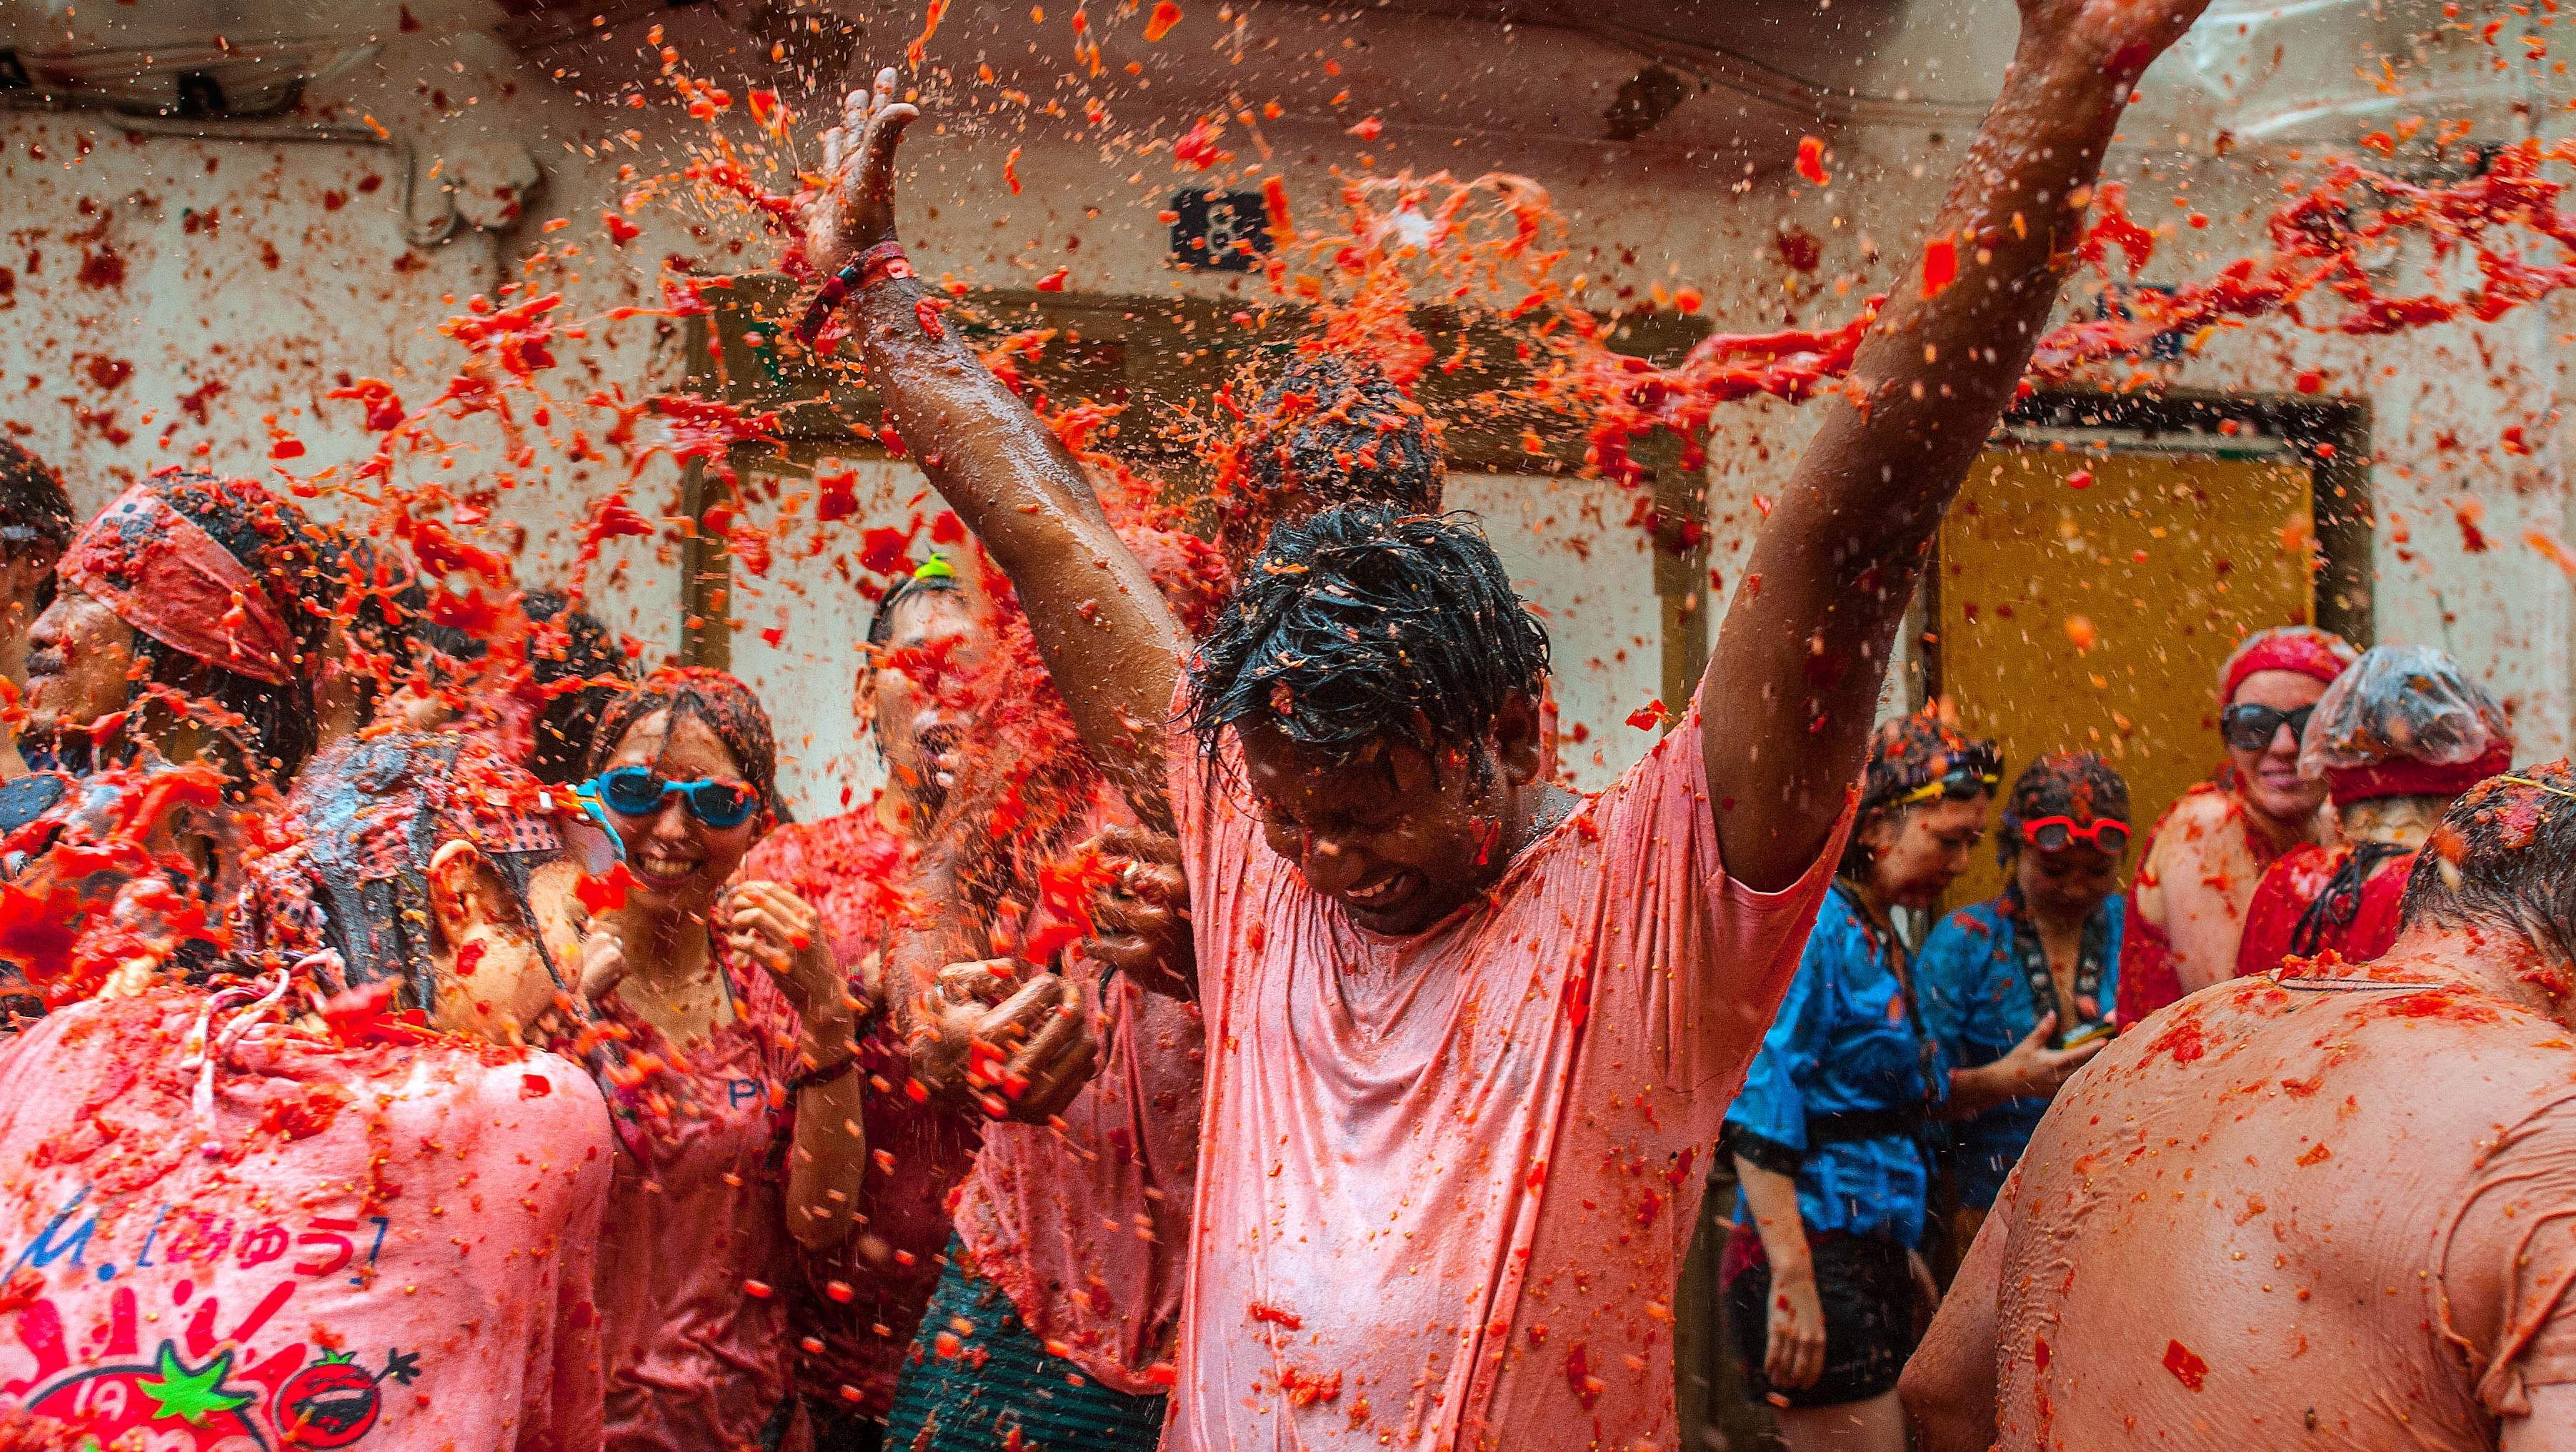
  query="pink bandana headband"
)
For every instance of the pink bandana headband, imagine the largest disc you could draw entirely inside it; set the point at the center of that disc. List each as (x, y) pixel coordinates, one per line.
(164, 575)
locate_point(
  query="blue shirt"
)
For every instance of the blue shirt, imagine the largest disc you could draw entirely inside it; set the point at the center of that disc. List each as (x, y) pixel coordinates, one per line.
(1977, 1003)
(1844, 1042)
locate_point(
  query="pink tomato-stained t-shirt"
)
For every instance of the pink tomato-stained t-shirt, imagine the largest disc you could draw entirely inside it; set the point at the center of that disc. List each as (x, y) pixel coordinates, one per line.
(862, 1300)
(385, 1248)
(1446, 1181)
(1083, 1223)
(695, 1256)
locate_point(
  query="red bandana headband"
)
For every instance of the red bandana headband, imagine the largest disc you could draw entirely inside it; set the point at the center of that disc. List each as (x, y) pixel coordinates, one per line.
(164, 575)
(2404, 776)
(2319, 654)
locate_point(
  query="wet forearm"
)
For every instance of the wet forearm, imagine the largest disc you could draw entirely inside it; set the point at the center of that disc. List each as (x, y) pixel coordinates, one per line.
(1772, 1198)
(1974, 1091)
(827, 1162)
(1110, 643)
(1938, 370)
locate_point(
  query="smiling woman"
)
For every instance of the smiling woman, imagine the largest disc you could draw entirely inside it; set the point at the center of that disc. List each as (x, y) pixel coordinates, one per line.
(732, 990)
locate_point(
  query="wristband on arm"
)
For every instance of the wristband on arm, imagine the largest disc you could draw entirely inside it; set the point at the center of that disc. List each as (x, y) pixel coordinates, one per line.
(877, 264)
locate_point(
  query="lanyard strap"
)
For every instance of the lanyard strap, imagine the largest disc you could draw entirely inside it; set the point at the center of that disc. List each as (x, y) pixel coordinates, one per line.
(2340, 902)
(2091, 960)
(1892, 948)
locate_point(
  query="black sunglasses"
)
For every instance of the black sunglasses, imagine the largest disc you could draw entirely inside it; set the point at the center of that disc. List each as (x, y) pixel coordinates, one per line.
(2251, 728)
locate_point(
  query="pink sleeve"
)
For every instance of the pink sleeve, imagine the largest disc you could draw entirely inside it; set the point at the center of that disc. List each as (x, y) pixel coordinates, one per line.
(1218, 837)
(2509, 1262)
(1706, 958)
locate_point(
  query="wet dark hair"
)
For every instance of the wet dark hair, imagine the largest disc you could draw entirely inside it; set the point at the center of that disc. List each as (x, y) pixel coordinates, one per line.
(382, 600)
(881, 624)
(1906, 755)
(577, 647)
(1339, 430)
(274, 541)
(35, 513)
(2077, 784)
(367, 819)
(1362, 624)
(2503, 858)
(728, 707)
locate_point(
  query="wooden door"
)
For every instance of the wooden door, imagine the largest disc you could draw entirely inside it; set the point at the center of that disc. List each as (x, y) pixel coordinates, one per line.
(2097, 618)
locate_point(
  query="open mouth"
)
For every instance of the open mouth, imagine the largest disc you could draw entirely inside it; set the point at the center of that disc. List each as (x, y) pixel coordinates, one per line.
(338, 1411)
(1382, 897)
(662, 871)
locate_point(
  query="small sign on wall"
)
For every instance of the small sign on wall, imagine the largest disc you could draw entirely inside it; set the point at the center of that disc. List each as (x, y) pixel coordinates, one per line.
(2165, 347)
(1219, 231)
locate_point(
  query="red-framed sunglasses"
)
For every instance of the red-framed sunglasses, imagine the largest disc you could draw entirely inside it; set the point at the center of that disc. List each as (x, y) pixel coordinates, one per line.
(2051, 834)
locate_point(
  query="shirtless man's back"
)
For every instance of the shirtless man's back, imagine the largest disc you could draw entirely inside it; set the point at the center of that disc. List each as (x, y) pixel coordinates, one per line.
(2328, 1210)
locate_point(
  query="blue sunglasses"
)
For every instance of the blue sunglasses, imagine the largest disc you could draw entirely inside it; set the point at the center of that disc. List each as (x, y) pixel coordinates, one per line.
(639, 791)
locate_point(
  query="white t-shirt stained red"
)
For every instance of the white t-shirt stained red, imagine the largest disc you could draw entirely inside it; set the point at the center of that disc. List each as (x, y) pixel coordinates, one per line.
(1446, 1181)
(386, 1248)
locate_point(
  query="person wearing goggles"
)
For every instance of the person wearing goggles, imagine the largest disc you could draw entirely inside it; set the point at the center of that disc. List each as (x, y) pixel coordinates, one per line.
(2197, 869)
(1822, 1271)
(2393, 741)
(2017, 989)
(731, 1044)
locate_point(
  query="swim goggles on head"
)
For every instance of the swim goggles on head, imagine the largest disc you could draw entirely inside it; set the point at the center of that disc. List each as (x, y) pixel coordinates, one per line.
(2051, 834)
(1967, 781)
(639, 791)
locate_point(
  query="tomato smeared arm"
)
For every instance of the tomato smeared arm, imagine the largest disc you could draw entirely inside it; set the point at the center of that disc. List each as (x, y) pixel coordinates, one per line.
(1110, 642)
(1795, 678)
(1949, 1385)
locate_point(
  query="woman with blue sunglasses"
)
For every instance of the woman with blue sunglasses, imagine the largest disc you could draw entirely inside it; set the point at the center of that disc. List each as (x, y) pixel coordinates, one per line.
(735, 1027)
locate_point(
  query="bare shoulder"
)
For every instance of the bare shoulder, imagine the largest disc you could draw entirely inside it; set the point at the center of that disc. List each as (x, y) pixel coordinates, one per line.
(2199, 813)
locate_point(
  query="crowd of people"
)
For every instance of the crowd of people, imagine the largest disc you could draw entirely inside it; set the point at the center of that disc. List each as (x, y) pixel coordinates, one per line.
(424, 1039)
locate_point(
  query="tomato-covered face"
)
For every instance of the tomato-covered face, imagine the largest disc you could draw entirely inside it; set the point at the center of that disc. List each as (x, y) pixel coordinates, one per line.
(80, 660)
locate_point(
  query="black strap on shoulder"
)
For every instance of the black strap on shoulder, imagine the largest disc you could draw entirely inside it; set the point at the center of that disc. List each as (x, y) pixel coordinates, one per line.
(2092, 959)
(2340, 902)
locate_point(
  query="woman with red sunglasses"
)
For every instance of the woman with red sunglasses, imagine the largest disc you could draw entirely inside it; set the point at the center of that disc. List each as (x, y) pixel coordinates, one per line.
(2017, 989)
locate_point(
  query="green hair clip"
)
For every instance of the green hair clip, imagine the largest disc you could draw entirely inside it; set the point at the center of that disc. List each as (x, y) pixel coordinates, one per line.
(935, 568)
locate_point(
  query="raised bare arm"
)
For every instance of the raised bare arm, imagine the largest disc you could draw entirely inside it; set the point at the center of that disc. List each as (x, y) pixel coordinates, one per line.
(1110, 643)
(1794, 682)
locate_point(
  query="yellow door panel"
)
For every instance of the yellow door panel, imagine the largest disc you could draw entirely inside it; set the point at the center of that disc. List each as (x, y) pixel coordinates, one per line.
(2097, 618)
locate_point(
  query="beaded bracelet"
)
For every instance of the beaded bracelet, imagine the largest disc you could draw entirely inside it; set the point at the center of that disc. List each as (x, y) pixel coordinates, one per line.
(877, 264)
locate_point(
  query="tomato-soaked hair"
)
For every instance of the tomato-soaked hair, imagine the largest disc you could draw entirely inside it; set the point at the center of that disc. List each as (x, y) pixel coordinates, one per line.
(366, 819)
(2504, 859)
(2076, 784)
(1365, 624)
(575, 659)
(729, 708)
(35, 514)
(1341, 431)
(278, 549)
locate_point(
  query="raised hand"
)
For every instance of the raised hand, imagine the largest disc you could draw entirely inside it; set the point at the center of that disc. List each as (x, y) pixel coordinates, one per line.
(851, 206)
(781, 932)
(2124, 36)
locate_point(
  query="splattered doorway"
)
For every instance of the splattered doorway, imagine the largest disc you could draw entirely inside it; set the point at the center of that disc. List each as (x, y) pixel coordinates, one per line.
(2102, 562)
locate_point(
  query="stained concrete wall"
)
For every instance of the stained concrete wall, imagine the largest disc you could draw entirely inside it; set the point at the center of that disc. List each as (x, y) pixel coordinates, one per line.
(250, 276)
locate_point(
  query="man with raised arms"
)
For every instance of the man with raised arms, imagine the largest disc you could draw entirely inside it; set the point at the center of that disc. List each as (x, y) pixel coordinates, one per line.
(1466, 1032)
